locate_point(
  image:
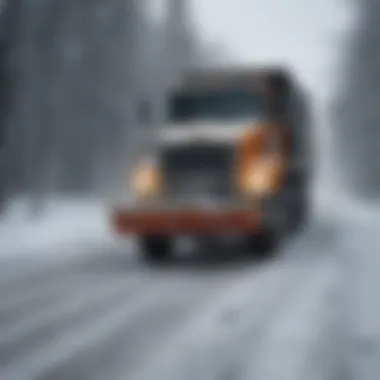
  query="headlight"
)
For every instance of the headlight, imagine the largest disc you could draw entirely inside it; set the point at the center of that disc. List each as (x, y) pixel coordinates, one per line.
(258, 173)
(145, 180)
(250, 180)
(257, 181)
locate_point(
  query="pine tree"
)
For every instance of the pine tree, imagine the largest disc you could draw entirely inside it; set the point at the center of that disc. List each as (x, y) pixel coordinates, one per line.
(357, 111)
(80, 72)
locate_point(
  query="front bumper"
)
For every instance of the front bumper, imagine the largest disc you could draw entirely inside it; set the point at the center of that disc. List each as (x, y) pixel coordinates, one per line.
(185, 220)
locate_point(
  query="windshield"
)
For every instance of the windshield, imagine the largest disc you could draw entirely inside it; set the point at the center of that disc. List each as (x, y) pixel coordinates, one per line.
(215, 105)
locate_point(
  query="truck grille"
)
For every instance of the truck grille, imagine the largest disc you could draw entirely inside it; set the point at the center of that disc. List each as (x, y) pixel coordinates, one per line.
(198, 171)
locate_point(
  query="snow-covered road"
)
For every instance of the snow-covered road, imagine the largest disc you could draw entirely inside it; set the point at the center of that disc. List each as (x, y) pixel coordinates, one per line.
(88, 308)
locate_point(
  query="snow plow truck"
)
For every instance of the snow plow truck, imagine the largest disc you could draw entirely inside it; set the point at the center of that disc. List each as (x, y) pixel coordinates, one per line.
(234, 158)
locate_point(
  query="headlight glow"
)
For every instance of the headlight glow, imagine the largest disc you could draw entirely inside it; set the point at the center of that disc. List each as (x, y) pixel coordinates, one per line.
(257, 181)
(145, 180)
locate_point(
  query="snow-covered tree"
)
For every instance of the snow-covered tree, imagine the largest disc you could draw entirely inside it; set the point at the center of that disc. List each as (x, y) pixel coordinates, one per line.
(72, 65)
(357, 111)
(82, 73)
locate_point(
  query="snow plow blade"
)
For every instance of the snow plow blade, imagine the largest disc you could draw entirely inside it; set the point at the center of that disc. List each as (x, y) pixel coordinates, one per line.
(173, 222)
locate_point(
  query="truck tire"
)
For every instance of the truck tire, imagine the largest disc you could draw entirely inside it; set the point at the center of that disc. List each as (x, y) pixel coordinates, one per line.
(156, 249)
(263, 245)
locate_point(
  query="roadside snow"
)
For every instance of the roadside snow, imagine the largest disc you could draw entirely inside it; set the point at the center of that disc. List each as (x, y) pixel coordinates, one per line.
(359, 293)
(60, 224)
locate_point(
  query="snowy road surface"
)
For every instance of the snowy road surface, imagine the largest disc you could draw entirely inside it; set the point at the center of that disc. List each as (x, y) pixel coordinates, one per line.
(93, 310)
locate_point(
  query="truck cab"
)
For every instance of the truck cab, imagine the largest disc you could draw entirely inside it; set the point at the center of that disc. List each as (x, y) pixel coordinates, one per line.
(230, 160)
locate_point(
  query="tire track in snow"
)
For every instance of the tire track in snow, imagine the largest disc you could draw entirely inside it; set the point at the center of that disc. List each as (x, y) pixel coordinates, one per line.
(207, 347)
(90, 339)
(295, 344)
(51, 322)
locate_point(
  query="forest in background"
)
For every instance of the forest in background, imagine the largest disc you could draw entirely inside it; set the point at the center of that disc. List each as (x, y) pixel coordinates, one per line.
(356, 111)
(74, 76)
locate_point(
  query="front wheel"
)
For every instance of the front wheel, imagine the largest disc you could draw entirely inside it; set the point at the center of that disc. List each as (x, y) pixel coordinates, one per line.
(156, 249)
(263, 244)
(274, 219)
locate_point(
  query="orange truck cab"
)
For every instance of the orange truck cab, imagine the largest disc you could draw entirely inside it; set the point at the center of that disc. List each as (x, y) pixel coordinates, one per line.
(226, 162)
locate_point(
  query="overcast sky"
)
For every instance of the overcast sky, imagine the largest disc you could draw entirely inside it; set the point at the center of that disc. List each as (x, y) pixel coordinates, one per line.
(302, 33)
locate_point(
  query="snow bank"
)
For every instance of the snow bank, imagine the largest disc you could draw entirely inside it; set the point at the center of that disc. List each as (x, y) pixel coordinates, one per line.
(62, 222)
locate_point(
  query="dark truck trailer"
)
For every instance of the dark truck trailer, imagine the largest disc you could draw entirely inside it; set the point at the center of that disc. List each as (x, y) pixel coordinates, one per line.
(231, 160)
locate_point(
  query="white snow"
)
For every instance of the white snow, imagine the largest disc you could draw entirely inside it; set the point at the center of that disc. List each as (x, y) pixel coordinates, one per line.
(61, 223)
